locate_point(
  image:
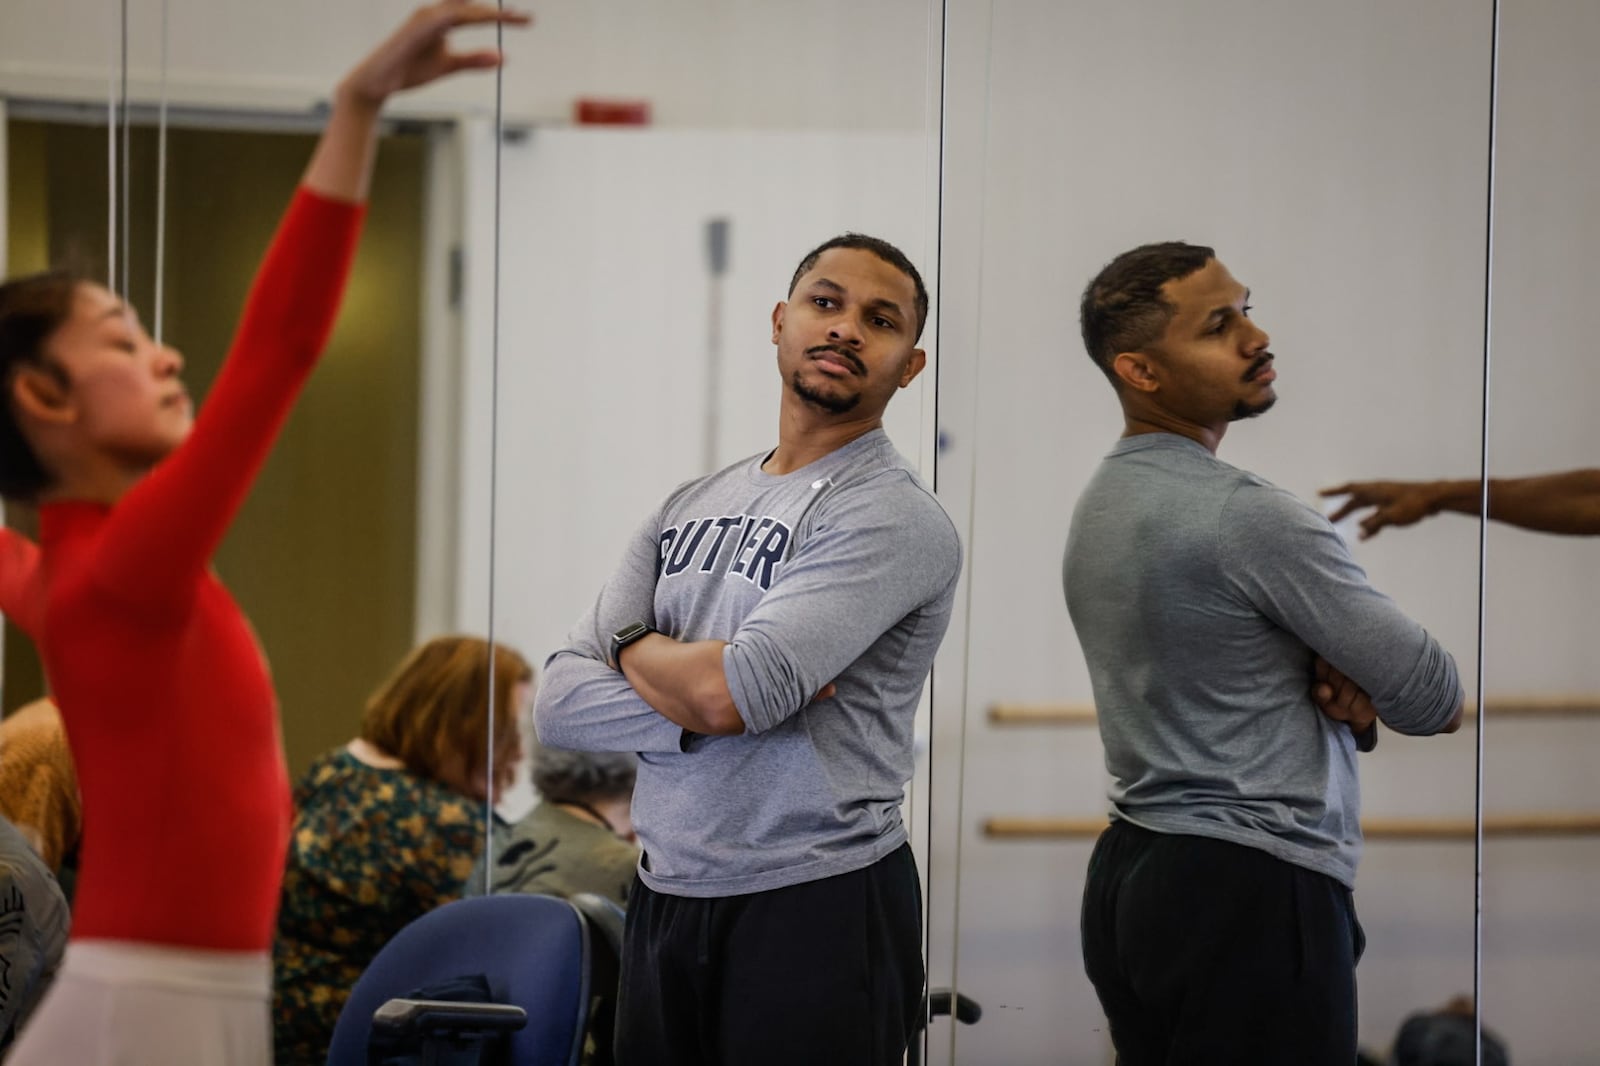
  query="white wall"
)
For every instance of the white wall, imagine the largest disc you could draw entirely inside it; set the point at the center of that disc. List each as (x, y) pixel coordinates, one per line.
(824, 65)
(605, 319)
(1541, 923)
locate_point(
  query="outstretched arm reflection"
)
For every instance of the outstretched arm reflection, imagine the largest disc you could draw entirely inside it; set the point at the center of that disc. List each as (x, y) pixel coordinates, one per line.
(1567, 502)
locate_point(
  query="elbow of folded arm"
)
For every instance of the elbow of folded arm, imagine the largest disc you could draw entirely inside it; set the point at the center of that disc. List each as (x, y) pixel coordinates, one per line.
(715, 713)
(548, 719)
(1417, 722)
(545, 726)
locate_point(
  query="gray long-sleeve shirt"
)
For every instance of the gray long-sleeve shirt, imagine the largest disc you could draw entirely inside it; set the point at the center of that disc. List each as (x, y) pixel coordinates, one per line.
(843, 571)
(1200, 594)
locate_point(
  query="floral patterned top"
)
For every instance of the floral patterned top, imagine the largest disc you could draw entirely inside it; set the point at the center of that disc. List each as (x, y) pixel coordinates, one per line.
(371, 850)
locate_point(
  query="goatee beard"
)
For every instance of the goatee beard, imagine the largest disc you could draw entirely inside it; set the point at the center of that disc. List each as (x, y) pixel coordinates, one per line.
(1242, 410)
(833, 404)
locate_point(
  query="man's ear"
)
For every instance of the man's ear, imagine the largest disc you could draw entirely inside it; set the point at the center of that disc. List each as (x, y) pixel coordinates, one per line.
(37, 394)
(777, 320)
(1135, 370)
(914, 365)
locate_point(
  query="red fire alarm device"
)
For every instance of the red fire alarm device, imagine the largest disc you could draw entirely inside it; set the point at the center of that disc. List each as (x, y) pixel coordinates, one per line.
(588, 111)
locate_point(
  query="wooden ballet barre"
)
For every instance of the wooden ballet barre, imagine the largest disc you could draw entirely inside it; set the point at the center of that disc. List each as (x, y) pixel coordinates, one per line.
(1554, 824)
(1041, 714)
(1064, 714)
(1541, 706)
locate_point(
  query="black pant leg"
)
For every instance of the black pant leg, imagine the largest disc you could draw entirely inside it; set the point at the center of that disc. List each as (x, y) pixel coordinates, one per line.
(824, 972)
(1141, 1035)
(662, 1014)
(1209, 951)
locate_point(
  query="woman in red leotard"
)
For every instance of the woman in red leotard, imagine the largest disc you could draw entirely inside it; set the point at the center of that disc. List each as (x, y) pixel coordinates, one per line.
(167, 701)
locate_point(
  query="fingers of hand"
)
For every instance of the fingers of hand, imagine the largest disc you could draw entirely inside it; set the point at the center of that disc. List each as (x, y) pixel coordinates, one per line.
(465, 13)
(1347, 695)
(1349, 506)
(486, 59)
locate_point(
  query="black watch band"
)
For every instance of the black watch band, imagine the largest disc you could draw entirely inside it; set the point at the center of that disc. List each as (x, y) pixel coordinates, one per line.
(627, 635)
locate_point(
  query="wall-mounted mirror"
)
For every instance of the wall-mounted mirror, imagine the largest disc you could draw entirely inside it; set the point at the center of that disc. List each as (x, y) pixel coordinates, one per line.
(346, 553)
(1541, 934)
(1336, 159)
(648, 230)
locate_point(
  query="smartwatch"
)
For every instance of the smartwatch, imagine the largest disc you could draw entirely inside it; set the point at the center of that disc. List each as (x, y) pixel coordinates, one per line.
(627, 635)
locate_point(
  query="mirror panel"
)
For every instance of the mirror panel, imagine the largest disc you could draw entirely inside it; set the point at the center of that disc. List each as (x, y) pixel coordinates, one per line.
(1541, 928)
(1335, 156)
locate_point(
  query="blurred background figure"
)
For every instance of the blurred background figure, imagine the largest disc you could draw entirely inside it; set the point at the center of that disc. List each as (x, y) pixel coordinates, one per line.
(387, 827)
(579, 838)
(1444, 1037)
(39, 787)
(33, 930)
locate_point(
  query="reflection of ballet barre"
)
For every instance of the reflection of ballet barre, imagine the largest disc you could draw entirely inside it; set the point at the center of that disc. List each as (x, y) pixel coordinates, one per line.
(1564, 824)
(1506, 706)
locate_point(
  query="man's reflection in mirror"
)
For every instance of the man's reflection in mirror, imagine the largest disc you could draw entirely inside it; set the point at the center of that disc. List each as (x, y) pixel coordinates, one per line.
(1237, 654)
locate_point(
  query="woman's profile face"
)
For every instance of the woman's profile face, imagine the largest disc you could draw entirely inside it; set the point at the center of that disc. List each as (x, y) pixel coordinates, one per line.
(123, 389)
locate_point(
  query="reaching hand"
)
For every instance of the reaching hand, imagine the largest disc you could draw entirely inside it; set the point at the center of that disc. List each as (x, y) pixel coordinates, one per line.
(1341, 699)
(1395, 503)
(418, 52)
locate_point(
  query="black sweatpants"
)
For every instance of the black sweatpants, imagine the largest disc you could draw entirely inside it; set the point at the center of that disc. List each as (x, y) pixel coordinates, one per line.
(1205, 952)
(824, 972)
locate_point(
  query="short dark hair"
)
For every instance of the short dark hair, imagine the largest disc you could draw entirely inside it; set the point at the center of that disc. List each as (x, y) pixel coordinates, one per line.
(1123, 309)
(32, 308)
(880, 248)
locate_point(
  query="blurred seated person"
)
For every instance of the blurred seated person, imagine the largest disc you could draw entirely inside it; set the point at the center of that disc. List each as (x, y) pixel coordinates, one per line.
(38, 786)
(1567, 502)
(579, 838)
(33, 930)
(388, 827)
(1445, 1037)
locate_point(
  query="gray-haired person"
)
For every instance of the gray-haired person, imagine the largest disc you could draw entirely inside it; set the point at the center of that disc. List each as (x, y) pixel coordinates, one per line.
(580, 836)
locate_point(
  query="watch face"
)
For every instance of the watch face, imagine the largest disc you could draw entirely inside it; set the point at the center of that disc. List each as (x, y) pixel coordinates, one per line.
(629, 633)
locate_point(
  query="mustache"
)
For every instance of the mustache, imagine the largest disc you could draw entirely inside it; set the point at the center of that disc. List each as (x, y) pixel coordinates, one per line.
(846, 354)
(1263, 361)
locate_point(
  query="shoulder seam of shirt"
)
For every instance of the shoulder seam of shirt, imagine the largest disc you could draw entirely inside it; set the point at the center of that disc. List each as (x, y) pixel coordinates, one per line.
(911, 479)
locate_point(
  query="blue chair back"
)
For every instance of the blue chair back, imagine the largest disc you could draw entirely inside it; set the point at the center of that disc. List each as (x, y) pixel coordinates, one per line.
(534, 950)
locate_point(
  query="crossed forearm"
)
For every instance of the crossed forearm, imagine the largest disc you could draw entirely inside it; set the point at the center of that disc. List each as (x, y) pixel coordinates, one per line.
(684, 682)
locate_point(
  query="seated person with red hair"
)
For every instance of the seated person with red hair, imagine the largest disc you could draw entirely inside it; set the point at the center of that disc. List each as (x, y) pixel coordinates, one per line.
(388, 826)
